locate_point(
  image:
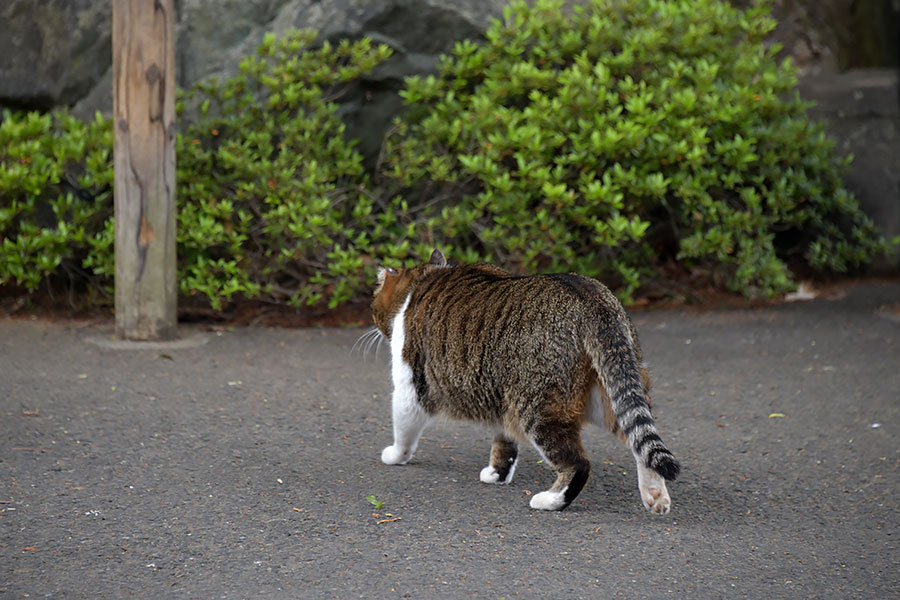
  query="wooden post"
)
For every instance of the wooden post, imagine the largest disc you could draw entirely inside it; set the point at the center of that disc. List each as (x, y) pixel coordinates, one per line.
(144, 109)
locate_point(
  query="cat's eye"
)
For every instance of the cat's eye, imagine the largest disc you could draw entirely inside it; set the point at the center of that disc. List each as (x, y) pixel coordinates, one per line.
(391, 271)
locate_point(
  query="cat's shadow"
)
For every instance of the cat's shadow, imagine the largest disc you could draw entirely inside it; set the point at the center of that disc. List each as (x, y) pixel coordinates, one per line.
(693, 499)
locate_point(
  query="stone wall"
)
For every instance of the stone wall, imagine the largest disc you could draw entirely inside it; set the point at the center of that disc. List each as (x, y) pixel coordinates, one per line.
(861, 111)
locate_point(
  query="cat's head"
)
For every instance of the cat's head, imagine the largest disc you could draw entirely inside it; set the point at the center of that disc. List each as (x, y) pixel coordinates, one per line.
(395, 285)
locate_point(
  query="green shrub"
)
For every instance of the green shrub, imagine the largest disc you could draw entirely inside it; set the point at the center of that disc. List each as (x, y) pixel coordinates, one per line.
(605, 139)
(56, 184)
(274, 202)
(609, 137)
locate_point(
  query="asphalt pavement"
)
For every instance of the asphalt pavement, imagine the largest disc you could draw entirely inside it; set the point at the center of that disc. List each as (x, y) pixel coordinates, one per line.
(238, 465)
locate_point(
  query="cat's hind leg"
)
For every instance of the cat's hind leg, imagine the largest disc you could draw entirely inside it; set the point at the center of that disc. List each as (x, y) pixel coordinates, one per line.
(560, 446)
(652, 487)
(504, 457)
(653, 490)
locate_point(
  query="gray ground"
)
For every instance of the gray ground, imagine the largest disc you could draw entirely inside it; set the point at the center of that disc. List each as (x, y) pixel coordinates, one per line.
(240, 469)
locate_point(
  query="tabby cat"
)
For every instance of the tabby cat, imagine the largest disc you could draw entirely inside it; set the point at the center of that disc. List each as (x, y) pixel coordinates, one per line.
(534, 358)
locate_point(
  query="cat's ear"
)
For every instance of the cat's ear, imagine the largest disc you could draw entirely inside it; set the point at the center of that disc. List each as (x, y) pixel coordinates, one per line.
(437, 259)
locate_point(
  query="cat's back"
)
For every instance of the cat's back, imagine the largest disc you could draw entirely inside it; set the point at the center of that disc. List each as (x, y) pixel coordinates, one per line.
(486, 293)
(483, 311)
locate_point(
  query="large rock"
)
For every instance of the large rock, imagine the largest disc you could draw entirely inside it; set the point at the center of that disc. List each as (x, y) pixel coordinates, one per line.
(213, 35)
(52, 52)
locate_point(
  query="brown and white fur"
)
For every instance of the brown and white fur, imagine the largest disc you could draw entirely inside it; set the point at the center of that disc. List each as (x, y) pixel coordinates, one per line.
(535, 358)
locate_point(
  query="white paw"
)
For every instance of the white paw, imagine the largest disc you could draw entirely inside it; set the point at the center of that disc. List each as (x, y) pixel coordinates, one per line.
(489, 475)
(653, 490)
(656, 499)
(392, 455)
(549, 500)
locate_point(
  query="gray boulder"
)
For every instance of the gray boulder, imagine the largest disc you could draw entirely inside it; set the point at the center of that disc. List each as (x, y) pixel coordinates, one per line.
(213, 35)
(53, 52)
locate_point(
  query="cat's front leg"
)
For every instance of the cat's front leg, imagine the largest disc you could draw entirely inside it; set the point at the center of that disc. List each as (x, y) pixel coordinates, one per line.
(504, 457)
(410, 420)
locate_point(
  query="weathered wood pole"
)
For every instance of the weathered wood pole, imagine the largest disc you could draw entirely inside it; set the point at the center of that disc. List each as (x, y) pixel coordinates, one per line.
(144, 109)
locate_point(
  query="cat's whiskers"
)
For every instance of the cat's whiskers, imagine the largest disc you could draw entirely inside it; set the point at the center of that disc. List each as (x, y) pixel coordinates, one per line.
(371, 338)
(362, 343)
(376, 340)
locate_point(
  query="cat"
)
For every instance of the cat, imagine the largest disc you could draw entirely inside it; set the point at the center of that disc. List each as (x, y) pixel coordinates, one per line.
(534, 358)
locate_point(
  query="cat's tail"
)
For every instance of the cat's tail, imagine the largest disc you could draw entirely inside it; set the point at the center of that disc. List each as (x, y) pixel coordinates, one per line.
(615, 361)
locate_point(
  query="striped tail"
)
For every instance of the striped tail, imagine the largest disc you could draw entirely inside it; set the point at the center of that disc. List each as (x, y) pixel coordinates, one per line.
(616, 363)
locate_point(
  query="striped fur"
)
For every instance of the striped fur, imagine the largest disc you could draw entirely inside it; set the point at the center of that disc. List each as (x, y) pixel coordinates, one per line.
(534, 358)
